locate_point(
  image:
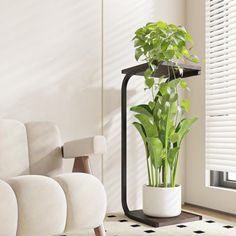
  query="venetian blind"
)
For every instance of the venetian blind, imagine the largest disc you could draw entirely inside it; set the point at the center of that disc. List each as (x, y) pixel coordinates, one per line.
(221, 85)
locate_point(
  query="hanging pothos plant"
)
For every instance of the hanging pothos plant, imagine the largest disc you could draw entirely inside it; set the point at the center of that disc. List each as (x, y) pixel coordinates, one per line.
(161, 122)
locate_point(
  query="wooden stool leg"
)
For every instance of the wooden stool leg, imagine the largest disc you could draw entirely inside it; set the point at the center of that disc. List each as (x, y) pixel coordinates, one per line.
(100, 231)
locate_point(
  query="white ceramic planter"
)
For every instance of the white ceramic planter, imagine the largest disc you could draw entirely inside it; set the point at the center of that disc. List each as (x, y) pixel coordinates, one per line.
(162, 202)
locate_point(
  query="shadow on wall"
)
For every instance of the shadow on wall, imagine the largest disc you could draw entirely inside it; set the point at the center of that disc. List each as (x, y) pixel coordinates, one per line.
(48, 70)
(50, 64)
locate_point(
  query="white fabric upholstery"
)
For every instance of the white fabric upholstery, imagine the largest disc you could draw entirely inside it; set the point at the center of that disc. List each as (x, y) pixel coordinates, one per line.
(83, 147)
(86, 201)
(35, 205)
(14, 158)
(44, 148)
(41, 206)
(8, 210)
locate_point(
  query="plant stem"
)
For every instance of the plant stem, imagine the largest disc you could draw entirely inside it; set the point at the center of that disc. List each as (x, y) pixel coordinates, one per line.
(171, 178)
(166, 149)
(165, 172)
(176, 118)
(152, 175)
(149, 176)
(173, 71)
(168, 73)
(165, 169)
(175, 170)
(153, 96)
(157, 177)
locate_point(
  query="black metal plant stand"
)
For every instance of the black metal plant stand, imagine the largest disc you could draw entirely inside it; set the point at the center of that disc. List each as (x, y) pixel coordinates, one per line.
(138, 215)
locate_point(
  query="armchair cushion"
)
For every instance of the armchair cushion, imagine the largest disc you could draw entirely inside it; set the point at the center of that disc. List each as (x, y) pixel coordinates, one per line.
(8, 210)
(41, 206)
(86, 201)
(14, 158)
(84, 147)
(44, 145)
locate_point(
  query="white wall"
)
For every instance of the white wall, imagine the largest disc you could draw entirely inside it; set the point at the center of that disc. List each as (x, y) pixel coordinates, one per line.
(50, 64)
(121, 19)
(197, 179)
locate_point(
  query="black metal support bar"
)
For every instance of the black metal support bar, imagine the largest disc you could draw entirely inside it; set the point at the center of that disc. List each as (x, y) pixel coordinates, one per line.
(124, 142)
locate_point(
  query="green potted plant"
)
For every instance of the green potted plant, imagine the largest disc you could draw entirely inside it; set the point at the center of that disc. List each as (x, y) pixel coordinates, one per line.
(161, 122)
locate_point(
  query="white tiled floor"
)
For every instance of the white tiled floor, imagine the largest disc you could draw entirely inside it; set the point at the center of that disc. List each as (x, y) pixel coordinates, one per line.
(119, 225)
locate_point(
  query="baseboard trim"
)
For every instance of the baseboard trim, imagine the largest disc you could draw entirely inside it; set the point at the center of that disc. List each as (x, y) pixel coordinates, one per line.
(209, 209)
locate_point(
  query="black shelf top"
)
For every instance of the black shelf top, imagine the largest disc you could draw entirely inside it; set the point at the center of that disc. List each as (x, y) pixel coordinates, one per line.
(188, 70)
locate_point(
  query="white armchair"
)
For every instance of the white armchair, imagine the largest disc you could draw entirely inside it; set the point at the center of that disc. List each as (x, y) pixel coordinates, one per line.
(36, 197)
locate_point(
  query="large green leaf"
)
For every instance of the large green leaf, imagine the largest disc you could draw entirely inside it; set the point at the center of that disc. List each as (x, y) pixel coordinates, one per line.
(185, 52)
(175, 82)
(173, 97)
(155, 149)
(180, 37)
(151, 105)
(138, 53)
(161, 24)
(169, 53)
(164, 46)
(185, 104)
(183, 84)
(150, 128)
(148, 73)
(149, 82)
(142, 109)
(172, 156)
(174, 137)
(173, 108)
(137, 42)
(194, 59)
(163, 88)
(184, 127)
(188, 37)
(141, 131)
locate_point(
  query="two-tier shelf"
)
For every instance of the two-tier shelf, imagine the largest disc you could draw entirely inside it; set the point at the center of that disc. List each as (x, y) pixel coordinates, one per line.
(138, 215)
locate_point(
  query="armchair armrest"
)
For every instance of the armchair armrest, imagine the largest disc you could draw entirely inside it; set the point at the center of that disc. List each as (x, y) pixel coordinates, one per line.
(84, 147)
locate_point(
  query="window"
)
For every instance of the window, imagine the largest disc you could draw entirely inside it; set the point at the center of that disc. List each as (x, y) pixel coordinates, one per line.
(223, 179)
(221, 92)
(231, 177)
